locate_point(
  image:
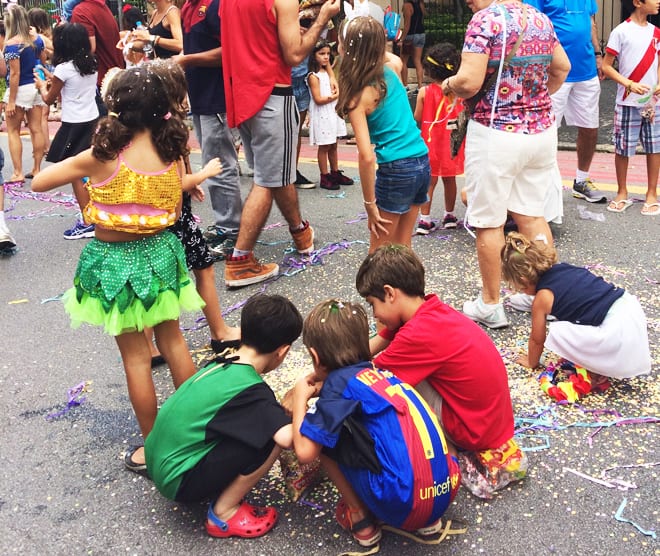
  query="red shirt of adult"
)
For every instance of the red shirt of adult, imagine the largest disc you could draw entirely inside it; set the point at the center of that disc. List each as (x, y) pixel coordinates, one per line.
(97, 18)
(459, 360)
(252, 60)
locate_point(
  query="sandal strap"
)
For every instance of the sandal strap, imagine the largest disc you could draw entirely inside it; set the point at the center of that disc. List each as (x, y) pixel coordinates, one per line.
(223, 525)
(362, 524)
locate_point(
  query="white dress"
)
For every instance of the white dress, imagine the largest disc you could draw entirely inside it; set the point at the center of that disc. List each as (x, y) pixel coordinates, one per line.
(324, 123)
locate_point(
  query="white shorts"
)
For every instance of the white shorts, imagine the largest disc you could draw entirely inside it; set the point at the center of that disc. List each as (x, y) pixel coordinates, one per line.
(507, 172)
(27, 97)
(618, 348)
(578, 103)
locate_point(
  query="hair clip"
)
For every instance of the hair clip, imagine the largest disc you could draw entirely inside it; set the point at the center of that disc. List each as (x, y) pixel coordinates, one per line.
(449, 66)
(113, 115)
(432, 61)
(167, 116)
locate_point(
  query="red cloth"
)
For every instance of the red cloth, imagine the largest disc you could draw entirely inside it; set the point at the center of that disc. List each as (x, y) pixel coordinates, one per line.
(460, 361)
(251, 57)
(97, 18)
(437, 112)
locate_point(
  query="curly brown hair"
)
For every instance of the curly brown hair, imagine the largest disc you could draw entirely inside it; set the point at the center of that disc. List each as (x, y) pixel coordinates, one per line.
(137, 100)
(525, 261)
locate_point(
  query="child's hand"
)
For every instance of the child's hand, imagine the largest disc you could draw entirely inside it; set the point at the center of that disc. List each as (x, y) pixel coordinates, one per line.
(198, 193)
(287, 402)
(213, 168)
(523, 360)
(307, 387)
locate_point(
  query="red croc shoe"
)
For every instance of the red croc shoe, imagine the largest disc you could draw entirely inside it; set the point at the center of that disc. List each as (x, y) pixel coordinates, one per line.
(359, 529)
(249, 521)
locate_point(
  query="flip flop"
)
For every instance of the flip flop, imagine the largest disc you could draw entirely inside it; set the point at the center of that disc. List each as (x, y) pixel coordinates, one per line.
(619, 206)
(647, 206)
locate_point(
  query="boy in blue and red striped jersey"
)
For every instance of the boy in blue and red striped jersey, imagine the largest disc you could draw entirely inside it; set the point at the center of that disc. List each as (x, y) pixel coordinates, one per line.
(378, 440)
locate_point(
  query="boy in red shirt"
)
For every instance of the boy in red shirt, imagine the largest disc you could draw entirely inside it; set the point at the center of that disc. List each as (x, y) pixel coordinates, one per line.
(451, 362)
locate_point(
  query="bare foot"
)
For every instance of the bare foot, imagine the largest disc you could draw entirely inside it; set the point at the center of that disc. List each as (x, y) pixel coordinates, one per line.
(16, 178)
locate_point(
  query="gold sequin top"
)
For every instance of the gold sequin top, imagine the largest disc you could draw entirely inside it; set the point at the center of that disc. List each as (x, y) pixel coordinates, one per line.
(135, 202)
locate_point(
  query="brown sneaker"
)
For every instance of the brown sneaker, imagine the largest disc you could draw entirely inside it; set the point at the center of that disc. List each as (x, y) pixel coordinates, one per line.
(304, 239)
(243, 271)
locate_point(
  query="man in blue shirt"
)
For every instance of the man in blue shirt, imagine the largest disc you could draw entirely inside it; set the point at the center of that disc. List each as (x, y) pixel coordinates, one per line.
(577, 99)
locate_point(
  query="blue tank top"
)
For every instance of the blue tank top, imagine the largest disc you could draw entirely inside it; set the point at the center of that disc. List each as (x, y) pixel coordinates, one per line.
(580, 296)
(392, 127)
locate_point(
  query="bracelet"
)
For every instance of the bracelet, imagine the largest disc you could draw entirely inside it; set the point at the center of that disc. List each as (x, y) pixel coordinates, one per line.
(156, 40)
(629, 86)
(369, 202)
(152, 38)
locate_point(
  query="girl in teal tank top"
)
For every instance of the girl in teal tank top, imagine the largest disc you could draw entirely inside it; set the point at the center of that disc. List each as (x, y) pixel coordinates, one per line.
(376, 103)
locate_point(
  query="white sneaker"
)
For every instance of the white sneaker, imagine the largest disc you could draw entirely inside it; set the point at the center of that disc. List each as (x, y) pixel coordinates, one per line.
(7, 241)
(521, 302)
(491, 316)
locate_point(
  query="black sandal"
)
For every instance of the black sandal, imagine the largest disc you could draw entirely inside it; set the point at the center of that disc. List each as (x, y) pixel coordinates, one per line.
(139, 468)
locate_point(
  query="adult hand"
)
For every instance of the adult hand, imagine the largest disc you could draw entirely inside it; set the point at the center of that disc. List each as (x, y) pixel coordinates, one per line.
(10, 109)
(599, 67)
(179, 59)
(329, 10)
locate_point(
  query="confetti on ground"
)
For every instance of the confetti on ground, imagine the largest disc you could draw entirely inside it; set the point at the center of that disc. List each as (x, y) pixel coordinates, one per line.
(75, 398)
(619, 517)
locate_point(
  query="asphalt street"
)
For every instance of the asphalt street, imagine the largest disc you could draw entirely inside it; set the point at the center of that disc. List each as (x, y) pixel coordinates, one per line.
(63, 487)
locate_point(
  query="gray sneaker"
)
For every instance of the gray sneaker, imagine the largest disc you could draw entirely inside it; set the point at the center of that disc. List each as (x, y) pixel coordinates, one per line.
(586, 190)
(491, 316)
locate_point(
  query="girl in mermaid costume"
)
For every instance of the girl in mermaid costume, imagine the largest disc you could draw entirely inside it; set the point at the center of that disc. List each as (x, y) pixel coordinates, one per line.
(133, 274)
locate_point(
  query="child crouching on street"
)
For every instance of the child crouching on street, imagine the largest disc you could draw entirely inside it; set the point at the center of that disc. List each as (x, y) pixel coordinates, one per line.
(451, 362)
(223, 429)
(378, 440)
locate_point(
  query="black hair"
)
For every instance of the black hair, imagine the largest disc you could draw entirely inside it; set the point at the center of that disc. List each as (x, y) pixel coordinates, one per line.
(137, 100)
(130, 18)
(312, 64)
(3, 32)
(269, 322)
(71, 44)
(40, 20)
(441, 61)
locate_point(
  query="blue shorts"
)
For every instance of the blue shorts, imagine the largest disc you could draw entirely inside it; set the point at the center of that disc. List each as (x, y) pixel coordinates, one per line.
(301, 92)
(402, 183)
(418, 40)
(630, 127)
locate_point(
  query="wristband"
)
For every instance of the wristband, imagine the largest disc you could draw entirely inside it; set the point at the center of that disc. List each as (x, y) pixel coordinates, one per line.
(369, 202)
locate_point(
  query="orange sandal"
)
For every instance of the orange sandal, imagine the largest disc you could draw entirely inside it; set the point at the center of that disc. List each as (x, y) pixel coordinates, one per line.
(248, 522)
(343, 517)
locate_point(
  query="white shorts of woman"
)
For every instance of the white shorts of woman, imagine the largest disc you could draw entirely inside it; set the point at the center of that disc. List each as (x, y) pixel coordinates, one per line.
(27, 97)
(507, 172)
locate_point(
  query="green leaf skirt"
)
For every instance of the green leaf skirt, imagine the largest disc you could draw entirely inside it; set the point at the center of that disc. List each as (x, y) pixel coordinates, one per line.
(126, 286)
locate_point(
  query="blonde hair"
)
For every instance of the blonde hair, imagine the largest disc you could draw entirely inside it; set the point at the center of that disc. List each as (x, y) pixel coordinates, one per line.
(339, 333)
(17, 23)
(362, 62)
(525, 261)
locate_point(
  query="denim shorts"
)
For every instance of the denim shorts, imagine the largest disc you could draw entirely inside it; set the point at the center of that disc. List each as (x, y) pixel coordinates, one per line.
(418, 40)
(402, 183)
(301, 92)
